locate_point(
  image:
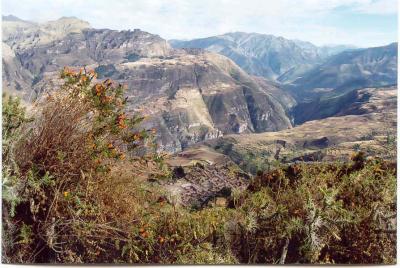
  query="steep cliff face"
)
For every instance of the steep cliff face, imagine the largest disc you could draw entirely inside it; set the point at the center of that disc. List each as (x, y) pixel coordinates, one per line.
(189, 95)
(195, 95)
(14, 77)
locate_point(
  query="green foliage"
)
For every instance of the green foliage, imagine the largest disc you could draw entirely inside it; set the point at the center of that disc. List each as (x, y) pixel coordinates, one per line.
(10, 194)
(13, 117)
(26, 234)
(369, 136)
(326, 212)
(253, 162)
(133, 57)
(105, 70)
(206, 254)
(356, 147)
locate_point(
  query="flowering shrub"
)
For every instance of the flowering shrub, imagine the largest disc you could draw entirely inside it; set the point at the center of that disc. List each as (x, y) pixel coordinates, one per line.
(59, 160)
(105, 103)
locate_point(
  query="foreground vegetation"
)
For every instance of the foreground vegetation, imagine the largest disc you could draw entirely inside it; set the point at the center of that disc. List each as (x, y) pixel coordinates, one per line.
(75, 190)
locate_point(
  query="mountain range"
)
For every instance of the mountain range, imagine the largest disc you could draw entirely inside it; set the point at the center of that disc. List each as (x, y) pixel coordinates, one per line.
(348, 70)
(307, 71)
(189, 95)
(269, 56)
(198, 90)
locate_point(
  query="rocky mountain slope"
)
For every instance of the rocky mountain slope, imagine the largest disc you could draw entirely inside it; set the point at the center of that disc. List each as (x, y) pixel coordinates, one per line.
(15, 78)
(306, 70)
(363, 120)
(188, 95)
(355, 102)
(191, 95)
(368, 123)
(275, 58)
(20, 34)
(370, 67)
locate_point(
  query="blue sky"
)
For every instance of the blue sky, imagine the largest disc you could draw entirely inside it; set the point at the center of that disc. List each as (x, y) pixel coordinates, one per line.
(362, 23)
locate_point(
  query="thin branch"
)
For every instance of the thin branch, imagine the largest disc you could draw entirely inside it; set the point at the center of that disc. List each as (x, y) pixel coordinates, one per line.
(284, 251)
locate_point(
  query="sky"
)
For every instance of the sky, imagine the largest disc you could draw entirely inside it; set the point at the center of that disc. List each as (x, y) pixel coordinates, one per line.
(363, 23)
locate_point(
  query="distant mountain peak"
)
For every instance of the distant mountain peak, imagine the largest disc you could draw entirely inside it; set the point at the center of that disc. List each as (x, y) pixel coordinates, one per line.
(263, 55)
(13, 18)
(69, 18)
(273, 57)
(239, 33)
(69, 22)
(10, 18)
(21, 34)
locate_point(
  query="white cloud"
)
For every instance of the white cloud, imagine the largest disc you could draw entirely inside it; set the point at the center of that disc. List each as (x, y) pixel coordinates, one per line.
(200, 18)
(379, 7)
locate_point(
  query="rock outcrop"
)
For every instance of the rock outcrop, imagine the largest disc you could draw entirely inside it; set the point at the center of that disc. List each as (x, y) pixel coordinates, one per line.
(199, 184)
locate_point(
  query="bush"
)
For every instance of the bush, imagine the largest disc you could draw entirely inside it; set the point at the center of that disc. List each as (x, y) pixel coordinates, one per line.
(60, 160)
(319, 213)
